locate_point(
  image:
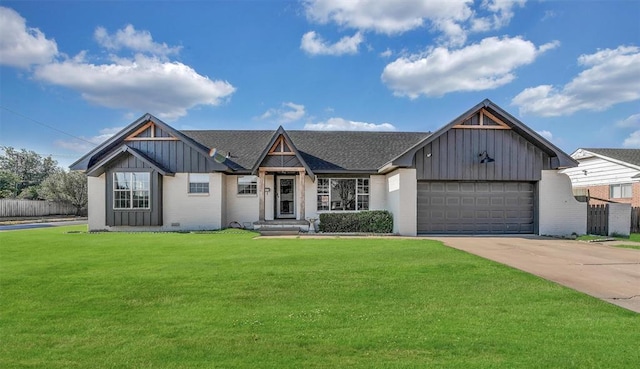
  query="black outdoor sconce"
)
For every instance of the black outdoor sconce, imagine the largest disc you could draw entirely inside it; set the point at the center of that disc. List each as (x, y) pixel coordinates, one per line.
(486, 158)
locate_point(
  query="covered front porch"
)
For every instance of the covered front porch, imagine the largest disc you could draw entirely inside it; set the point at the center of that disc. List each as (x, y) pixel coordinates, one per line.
(281, 197)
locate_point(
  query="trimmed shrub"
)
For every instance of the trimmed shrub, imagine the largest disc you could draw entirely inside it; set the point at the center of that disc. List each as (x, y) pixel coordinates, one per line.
(373, 221)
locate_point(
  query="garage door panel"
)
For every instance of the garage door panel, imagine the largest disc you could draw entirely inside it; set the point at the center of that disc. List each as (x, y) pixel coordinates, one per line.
(468, 201)
(437, 201)
(475, 207)
(482, 201)
(452, 187)
(511, 201)
(453, 201)
(497, 201)
(467, 214)
(467, 187)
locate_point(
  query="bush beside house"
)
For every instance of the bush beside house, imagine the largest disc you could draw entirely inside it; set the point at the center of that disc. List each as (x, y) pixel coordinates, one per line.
(375, 221)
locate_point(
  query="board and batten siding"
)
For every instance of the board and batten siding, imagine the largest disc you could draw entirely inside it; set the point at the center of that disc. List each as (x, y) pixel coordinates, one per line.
(137, 217)
(597, 171)
(281, 161)
(455, 156)
(175, 156)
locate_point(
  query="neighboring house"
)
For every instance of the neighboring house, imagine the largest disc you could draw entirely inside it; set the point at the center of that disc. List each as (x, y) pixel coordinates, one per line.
(485, 172)
(607, 175)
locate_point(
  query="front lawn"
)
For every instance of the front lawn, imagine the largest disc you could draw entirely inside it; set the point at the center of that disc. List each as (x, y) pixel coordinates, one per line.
(226, 300)
(635, 237)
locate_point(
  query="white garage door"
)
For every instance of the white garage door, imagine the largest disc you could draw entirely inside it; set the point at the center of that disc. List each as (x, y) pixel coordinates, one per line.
(475, 207)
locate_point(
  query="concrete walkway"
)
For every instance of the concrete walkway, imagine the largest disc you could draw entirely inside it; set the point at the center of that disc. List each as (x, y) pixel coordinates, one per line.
(608, 273)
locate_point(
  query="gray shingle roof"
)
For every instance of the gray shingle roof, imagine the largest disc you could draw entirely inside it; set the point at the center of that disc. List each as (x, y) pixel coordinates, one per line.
(321, 150)
(631, 156)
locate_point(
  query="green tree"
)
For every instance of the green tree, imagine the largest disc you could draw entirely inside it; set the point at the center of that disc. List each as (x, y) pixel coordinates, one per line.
(22, 172)
(70, 187)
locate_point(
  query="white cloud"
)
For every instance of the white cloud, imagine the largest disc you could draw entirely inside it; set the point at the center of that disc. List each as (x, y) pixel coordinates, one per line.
(83, 145)
(130, 38)
(340, 124)
(612, 77)
(633, 121)
(633, 141)
(546, 134)
(287, 113)
(165, 89)
(453, 18)
(22, 46)
(148, 81)
(387, 53)
(500, 14)
(473, 68)
(314, 44)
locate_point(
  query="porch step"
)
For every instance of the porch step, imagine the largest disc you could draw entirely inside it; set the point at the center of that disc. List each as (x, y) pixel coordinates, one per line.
(279, 231)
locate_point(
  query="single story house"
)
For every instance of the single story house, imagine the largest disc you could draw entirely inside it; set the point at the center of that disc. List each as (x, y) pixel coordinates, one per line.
(606, 175)
(484, 172)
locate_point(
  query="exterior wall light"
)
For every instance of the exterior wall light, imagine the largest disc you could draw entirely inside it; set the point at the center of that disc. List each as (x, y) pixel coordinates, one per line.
(486, 158)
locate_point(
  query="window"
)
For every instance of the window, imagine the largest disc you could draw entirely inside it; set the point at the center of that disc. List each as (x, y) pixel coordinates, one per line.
(343, 194)
(131, 190)
(198, 183)
(247, 185)
(620, 191)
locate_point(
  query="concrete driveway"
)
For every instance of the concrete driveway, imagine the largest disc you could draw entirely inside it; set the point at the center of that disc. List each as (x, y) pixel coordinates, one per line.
(600, 270)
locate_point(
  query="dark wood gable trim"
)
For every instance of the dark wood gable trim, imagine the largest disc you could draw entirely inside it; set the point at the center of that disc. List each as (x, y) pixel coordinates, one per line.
(482, 119)
(281, 153)
(558, 159)
(150, 132)
(280, 147)
(136, 134)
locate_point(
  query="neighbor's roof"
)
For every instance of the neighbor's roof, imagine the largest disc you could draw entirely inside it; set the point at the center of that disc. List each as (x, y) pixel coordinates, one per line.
(322, 150)
(631, 156)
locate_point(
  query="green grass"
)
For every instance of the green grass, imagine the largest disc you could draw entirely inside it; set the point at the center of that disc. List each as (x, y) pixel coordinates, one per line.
(636, 247)
(592, 237)
(635, 237)
(225, 300)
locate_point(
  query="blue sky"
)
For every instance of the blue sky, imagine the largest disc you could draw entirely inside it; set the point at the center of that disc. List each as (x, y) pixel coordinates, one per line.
(74, 72)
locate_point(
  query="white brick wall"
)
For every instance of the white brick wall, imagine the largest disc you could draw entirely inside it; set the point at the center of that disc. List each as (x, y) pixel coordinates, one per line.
(619, 219)
(402, 188)
(377, 192)
(97, 203)
(560, 214)
(192, 211)
(240, 208)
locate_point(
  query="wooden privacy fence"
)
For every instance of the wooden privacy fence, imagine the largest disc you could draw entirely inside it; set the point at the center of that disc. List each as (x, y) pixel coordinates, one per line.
(34, 208)
(635, 220)
(598, 219)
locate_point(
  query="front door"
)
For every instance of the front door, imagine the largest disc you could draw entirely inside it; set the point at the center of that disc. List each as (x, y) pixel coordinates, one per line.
(286, 197)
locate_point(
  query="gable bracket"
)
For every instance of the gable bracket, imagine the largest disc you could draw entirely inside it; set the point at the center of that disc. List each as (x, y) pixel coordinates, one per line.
(150, 125)
(483, 112)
